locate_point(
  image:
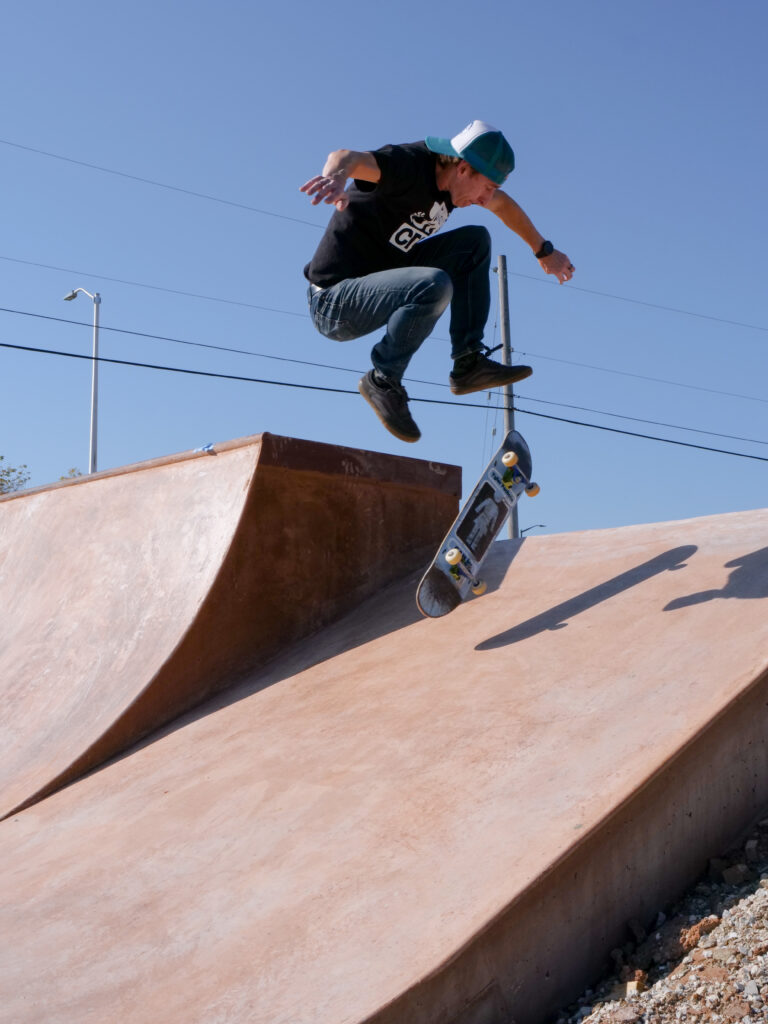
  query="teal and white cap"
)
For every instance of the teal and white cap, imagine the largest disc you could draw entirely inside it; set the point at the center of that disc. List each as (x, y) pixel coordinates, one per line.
(482, 146)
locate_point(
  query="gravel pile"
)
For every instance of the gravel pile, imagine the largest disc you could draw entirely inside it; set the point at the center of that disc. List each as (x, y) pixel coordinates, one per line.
(706, 959)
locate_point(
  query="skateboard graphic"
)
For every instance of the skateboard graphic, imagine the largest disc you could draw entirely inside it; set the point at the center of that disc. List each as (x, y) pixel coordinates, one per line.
(454, 570)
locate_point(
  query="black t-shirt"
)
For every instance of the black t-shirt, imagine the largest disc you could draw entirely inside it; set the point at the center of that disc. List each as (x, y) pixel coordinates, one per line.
(383, 221)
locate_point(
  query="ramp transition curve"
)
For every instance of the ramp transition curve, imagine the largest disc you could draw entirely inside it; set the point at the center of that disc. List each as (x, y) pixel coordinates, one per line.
(130, 596)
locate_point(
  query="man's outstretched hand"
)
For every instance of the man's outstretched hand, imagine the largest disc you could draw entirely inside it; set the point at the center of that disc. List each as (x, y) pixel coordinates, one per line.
(557, 263)
(328, 188)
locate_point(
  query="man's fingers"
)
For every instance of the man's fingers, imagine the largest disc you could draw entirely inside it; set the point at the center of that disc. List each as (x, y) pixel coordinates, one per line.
(325, 189)
(319, 187)
(311, 185)
(558, 264)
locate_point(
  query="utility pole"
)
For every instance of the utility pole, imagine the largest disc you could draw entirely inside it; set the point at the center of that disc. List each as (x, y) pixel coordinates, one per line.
(509, 410)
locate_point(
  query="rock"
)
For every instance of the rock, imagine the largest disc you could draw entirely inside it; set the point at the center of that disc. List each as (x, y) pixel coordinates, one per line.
(736, 874)
(625, 1015)
(716, 868)
(706, 959)
(690, 937)
(632, 986)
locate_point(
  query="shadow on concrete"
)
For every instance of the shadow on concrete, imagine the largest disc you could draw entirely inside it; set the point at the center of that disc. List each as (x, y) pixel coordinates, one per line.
(748, 581)
(384, 614)
(557, 617)
(501, 555)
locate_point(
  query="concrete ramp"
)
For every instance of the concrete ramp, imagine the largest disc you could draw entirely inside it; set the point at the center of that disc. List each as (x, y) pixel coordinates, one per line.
(131, 596)
(414, 820)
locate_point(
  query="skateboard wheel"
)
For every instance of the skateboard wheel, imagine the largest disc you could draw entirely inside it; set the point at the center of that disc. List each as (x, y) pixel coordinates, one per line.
(532, 490)
(509, 459)
(479, 588)
(453, 557)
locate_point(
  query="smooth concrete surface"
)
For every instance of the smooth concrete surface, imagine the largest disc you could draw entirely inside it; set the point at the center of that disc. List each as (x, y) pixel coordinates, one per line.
(411, 820)
(130, 596)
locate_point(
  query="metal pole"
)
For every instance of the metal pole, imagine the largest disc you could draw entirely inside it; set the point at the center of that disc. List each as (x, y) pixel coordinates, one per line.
(509, 398)
(94, 384)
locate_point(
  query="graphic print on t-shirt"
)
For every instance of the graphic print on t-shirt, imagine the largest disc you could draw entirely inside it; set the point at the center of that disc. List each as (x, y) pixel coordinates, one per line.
(421, 226)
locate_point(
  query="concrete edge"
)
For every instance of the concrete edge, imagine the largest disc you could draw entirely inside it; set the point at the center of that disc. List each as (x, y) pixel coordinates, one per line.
(289, 452)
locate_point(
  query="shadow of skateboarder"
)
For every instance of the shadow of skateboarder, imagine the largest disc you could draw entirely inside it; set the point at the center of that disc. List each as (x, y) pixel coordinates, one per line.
(557, 617)
(748, 581)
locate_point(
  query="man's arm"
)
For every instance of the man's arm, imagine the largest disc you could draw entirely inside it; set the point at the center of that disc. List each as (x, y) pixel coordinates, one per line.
(515, 218)
(329, 187)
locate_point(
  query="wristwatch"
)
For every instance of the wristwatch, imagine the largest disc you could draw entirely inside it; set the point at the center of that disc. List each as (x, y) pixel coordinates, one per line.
(546, 250)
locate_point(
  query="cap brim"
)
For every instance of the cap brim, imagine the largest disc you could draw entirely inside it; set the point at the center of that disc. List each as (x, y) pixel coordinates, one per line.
(437, 145)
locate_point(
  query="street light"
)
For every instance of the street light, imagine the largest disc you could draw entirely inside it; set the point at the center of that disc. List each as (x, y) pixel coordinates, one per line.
(534, 527)
(95, 370)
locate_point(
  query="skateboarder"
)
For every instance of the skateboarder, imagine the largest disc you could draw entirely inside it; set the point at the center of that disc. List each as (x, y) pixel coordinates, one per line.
(379, 263)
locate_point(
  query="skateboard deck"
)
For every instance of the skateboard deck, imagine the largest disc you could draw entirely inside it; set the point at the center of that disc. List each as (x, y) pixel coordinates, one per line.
(453, 572)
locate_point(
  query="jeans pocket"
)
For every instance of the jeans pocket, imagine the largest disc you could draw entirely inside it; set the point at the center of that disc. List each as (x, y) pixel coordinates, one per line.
(326, 319)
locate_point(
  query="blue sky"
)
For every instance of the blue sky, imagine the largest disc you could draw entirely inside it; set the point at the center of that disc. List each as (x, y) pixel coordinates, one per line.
(641, 152)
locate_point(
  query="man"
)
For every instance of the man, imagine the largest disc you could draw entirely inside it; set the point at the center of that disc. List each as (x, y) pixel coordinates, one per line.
(380, 264)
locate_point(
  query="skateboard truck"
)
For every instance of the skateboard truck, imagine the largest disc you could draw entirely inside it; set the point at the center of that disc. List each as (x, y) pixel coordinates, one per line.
(512, 475)
(455, 559)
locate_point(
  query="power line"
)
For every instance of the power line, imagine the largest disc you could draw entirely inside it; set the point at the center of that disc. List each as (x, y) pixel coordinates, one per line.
(286, 312)
(183, 341)
(639, 376)
(321, 227)
(646, 437)
(347, 369)
(348, 391)
(153, 287)
(652, 423)
(161, 184)
(174, 369)
(642, 302)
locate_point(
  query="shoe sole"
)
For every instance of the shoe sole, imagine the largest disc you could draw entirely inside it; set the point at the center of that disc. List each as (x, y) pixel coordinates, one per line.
(393, 430)
(457, 389)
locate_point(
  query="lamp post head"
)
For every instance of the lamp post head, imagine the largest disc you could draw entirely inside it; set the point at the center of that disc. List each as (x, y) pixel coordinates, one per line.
(534, 527)
(76, 291)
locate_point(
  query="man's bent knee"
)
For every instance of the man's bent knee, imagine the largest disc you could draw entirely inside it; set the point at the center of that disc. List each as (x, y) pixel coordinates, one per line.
(436, 289)
(481, 238)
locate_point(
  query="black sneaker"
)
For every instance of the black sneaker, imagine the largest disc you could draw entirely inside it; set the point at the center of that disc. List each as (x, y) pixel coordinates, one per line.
(476, 372)
(389, 400)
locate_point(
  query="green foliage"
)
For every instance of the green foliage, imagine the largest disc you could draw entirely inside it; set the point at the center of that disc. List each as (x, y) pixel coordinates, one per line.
(12, 478)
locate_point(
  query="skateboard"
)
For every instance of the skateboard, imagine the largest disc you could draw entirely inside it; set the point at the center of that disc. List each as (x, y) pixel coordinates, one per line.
(453, 572)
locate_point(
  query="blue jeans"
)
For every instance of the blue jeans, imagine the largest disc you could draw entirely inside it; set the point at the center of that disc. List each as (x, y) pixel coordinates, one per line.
(447, 269)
